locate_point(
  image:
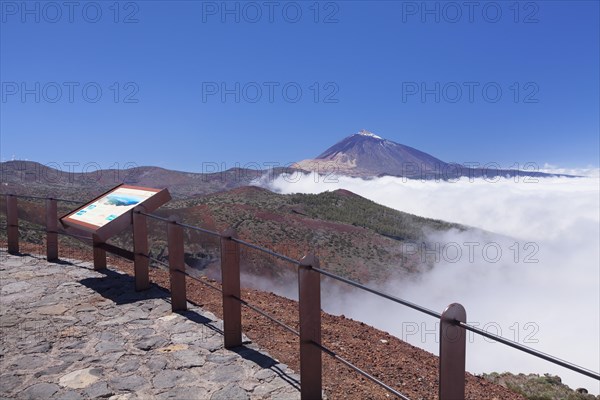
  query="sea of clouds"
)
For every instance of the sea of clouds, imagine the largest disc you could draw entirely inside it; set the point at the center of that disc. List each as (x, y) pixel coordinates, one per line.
(535, 280)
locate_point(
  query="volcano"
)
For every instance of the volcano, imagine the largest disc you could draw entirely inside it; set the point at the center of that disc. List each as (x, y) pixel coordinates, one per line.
(366, 154)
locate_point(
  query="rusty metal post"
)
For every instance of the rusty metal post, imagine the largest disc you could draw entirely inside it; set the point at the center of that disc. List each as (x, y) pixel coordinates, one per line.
(141, 261)
(230, 277)
(453, 342)
(51, 230)
(176, 266)
(309, 299)
(99, 254)
(12, 224)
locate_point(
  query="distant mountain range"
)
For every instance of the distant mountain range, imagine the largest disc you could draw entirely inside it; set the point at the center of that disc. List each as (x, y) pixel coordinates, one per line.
(361, 155)
(366, 154)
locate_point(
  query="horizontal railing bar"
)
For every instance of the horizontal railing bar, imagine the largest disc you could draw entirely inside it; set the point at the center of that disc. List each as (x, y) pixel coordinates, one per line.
(40, 198)
(266, 315)
(67, 201)
(381, 294)
(153, 216)
(196, 228)
(23, 196)
(126, 254)
(529, 350)
(264, 250)
(82, 238)
(360, 371)
(162, 263)
(199, 280)
(31, 228)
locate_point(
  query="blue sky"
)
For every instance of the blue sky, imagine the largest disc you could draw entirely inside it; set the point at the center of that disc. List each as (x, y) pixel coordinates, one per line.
(183, 83)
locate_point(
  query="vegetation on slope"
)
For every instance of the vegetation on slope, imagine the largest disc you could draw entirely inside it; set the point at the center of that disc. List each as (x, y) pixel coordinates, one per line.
(349, 208)
(538, 387)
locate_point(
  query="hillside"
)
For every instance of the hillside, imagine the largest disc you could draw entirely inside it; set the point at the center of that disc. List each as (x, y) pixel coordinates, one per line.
(536, 387)
(81, 182)
(351, 235)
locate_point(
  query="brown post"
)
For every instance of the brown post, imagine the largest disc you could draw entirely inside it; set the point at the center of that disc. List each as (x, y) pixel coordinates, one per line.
(453, 342)
(140, 249)
(230, 276)
(99, 254)
(12, 224)
(51, 230)
(309, 297)
(176, 266)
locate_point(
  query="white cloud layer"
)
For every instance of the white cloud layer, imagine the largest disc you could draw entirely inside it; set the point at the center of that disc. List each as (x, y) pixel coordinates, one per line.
(537, 282)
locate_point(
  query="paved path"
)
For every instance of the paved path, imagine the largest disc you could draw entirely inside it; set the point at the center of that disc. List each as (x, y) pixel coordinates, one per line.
(68, 332)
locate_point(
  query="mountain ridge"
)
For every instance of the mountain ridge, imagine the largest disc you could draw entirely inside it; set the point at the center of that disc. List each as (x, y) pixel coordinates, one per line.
(365, 154)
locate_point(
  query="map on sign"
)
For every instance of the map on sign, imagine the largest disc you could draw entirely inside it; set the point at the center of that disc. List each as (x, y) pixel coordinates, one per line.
(111, 206)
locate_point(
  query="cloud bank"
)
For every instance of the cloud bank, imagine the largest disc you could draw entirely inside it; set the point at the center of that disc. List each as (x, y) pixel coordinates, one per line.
(537, 281)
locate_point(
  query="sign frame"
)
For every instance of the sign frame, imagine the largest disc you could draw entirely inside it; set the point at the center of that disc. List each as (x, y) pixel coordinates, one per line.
(120, 223)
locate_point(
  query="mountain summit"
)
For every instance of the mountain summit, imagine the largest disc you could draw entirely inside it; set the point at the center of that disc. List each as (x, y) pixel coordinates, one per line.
(366, 154)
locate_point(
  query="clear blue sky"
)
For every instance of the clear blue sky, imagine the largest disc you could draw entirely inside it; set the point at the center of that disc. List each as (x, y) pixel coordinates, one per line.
(358, 64)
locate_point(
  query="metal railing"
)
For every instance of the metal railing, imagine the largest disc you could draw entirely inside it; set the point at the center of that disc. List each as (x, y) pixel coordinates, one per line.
(453, 324)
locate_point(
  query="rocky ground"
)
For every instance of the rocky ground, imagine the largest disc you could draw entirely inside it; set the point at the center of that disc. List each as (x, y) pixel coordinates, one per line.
(410, 370)
(68, 332)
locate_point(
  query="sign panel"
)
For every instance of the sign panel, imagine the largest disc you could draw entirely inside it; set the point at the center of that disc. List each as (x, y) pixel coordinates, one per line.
(109, 214)
(111, 206)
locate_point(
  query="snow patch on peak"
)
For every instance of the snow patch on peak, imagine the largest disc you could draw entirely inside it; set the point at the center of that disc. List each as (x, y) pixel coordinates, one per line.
(365, 132)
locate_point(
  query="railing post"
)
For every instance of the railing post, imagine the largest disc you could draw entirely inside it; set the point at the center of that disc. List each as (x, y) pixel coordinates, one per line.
(176, 266)
(453, 343)
(230, 278)
(99, 254)
(12, 224)
(140, 249)
(309, 299)
(51, 230)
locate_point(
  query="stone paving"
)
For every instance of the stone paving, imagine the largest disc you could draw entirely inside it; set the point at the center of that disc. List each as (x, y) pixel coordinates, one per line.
(68, 332)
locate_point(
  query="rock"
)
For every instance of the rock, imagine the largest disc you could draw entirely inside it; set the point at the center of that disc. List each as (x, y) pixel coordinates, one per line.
(40, 391)
(107, 347)
(53, 370)
(221, 358)
(41, 348)
(265, 374)
(130, 382)
(9, 382)
(99, 389)
(187, 337)
(80, 378)
(150, 343)
(71, 395)
(187, 393)
(230, 392)
(124, 396)
(226, 373)
(188, 359)
(156, 363)
(129, 365)
(57, 309)
(169, 378)
(28, 362)
(15, 288)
